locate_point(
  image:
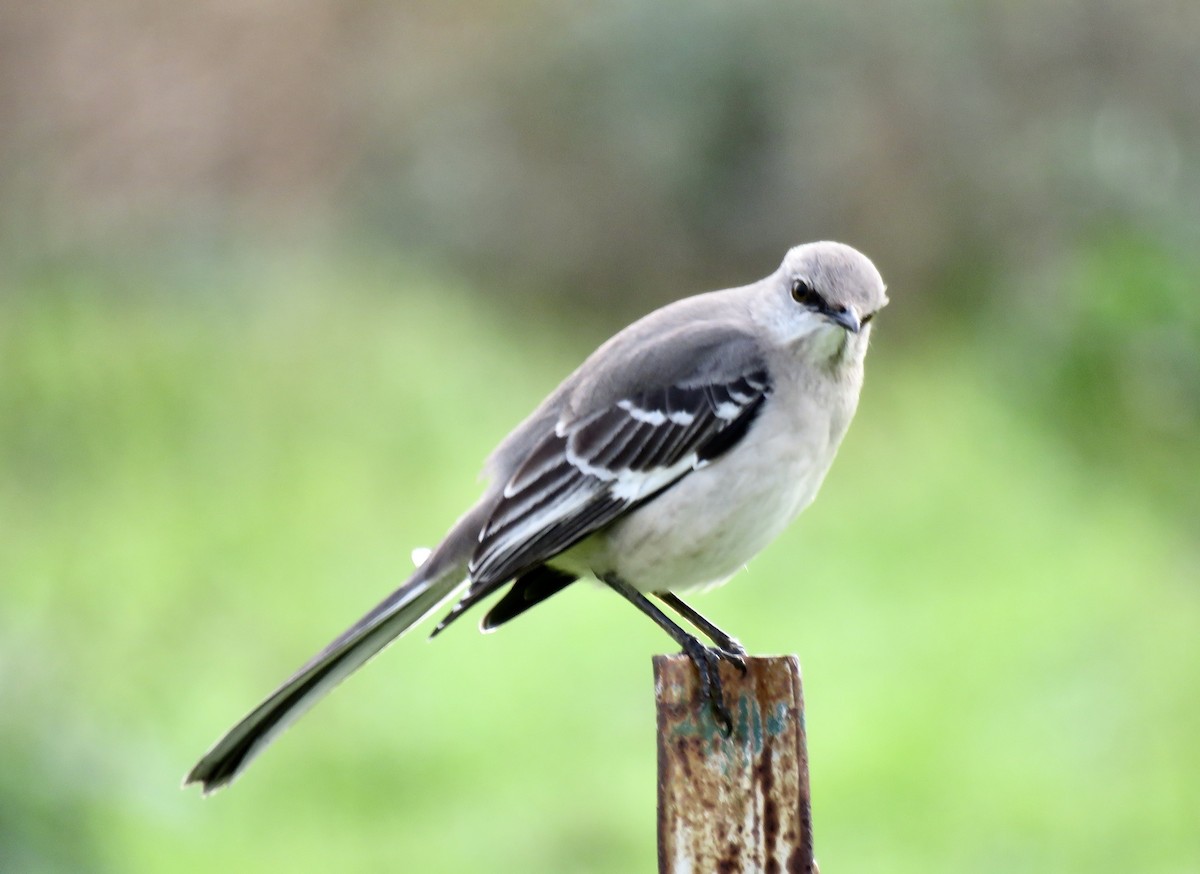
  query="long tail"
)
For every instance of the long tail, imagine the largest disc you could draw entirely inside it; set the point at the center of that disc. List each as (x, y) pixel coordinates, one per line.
(433, 583)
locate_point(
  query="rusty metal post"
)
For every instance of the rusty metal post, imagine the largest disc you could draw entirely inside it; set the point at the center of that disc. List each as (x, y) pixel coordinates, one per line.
(736, 804)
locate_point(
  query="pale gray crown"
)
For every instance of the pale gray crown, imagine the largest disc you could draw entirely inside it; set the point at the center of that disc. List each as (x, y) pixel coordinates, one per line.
(840, 274)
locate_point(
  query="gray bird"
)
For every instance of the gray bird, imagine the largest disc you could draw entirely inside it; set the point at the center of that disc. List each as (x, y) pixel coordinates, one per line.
(671, 457)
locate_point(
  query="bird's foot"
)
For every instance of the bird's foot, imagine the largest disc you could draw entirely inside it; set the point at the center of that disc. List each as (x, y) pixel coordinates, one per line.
(733, 652)
(707, 661)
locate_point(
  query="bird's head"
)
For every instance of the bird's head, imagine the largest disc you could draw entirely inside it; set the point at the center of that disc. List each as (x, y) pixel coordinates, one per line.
(825, 293)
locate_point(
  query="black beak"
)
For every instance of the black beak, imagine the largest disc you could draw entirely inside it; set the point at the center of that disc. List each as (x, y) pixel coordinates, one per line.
(846, 317)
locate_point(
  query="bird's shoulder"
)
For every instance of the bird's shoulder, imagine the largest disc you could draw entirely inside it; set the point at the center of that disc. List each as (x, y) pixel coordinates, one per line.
(705, 339)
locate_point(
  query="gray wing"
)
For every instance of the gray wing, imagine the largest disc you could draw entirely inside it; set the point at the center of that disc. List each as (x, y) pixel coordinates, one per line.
(590, 470)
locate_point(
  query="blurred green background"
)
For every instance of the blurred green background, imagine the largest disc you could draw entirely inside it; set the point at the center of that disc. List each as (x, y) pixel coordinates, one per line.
(274, 277)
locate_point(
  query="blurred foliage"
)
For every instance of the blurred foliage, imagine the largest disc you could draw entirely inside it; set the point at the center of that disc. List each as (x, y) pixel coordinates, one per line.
(1103, 349)
(201, 488)
(599, 148)
(263, 267)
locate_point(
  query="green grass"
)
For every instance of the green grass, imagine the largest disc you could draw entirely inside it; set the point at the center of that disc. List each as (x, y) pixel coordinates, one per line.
(207, 475)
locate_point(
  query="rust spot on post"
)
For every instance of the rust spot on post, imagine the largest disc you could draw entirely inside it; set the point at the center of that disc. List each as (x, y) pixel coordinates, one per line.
(736, 804)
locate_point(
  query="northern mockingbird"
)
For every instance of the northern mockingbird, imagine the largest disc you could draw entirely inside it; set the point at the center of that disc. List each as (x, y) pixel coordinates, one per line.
(676, 452)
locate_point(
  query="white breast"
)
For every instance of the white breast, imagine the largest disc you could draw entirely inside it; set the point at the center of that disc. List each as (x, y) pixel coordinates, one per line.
(711, 523)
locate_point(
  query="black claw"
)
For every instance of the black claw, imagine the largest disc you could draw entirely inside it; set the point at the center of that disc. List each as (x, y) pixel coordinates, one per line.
(707, 661)
(738, 660)
(723, 718)
(732, 651)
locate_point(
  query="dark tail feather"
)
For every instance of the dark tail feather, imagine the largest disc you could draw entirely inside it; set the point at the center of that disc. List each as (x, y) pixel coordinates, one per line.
(388, 620)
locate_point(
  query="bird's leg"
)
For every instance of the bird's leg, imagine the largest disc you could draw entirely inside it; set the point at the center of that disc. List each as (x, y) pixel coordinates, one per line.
(706, 659)
(730, 648)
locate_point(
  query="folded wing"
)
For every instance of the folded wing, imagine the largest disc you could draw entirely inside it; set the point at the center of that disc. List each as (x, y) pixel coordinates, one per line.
(589, 471)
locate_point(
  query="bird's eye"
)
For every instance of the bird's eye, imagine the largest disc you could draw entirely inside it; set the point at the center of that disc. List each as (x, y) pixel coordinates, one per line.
(803, 293)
